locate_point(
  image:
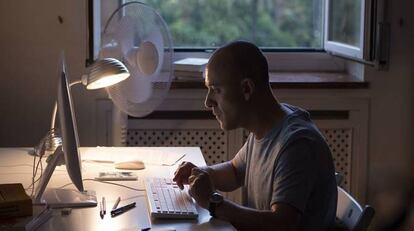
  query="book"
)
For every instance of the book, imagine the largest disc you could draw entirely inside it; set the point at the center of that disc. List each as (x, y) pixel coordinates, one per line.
(189, 75)
(190, 64)
(14, 202)
(41, 214)
(187, 78)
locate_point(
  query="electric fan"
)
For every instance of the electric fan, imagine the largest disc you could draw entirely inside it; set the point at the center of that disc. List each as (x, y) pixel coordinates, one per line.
(138, 36)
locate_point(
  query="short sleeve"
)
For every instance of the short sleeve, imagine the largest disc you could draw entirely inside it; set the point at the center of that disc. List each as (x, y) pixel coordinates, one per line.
(240, 161)
(294, 175)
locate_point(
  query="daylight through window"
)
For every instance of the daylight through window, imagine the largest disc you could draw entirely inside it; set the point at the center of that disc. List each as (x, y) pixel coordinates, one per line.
(268, 23)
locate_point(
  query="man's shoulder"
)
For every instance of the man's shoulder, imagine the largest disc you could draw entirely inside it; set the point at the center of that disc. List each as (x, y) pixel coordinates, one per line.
(299, 127)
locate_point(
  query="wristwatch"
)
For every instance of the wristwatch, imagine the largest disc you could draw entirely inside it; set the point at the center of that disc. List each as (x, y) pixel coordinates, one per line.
(215, 200)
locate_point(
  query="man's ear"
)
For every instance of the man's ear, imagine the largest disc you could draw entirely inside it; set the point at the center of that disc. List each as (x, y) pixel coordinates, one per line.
(248, 87)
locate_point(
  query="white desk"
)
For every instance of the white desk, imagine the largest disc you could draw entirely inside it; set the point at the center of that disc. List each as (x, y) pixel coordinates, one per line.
(16, 167)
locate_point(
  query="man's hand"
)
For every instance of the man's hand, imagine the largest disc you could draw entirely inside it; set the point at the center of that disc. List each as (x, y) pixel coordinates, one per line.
(201, 187)
(182, 174)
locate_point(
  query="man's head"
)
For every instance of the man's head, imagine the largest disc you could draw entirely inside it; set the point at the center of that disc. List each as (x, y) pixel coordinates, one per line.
(235, 74)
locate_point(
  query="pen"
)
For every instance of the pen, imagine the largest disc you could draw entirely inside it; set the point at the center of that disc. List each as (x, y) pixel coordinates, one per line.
(101, 213)
(175, 162)
(104, 205)
(116, 203)
(121, 210)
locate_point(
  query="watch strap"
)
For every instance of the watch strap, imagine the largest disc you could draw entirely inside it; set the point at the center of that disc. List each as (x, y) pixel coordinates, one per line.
(212, 209)
(215, 200)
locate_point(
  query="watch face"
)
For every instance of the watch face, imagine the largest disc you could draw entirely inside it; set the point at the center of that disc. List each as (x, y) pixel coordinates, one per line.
(216, 198)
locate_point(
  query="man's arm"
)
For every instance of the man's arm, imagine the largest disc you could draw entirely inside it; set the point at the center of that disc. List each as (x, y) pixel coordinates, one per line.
(223, 176)
(281, 217)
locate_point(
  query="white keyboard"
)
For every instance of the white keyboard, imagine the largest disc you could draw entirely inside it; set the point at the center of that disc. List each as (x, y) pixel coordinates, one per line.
(166, 200)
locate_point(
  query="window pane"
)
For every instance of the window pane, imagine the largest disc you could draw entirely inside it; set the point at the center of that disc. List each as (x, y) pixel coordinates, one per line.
(345, 21)
(268, 23)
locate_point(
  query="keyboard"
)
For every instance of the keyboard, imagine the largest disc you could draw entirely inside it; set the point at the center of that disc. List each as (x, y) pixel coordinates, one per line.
(166, 200)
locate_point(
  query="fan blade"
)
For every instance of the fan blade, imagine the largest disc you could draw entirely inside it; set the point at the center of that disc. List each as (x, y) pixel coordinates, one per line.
(125, 34)
(137, 88)
(147, 58)
(150, 55)
(140, 89)
(132, 57)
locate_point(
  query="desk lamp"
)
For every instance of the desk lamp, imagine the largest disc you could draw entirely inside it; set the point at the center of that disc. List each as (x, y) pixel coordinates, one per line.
(102, 73)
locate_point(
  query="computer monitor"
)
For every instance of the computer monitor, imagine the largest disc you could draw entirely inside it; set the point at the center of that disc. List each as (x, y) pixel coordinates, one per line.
(70, 140)
(57, 197)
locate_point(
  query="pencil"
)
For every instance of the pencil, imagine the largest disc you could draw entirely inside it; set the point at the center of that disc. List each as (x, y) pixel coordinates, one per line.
(116, 203)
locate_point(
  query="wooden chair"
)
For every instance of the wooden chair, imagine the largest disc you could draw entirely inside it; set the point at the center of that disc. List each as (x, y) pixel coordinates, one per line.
(351, 214)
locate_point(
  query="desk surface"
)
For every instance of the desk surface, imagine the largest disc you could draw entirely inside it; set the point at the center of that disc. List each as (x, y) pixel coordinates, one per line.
(16, 167)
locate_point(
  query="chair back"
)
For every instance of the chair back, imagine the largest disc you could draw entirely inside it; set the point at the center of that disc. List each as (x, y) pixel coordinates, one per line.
(339, 178)
(350, 212)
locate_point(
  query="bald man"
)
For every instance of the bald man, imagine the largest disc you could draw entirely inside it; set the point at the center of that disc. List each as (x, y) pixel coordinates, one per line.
(285, 168)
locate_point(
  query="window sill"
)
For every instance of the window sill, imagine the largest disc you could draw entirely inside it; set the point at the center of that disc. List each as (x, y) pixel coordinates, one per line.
(295, 80)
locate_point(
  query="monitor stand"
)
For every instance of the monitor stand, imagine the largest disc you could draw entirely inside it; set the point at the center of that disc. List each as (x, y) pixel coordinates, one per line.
(58, 197)
(68, 198)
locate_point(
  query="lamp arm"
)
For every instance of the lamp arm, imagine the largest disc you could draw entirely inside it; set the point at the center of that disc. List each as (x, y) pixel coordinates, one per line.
(75, 82)
(53, 121)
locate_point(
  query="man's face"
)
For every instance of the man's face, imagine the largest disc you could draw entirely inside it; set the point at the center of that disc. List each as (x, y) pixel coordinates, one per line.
(224, 97)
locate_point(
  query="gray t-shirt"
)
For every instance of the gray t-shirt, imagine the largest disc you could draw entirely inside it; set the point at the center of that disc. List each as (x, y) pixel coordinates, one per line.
(292, 164)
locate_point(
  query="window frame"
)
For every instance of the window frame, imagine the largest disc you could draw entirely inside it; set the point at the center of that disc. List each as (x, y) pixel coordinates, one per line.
(375, 32)
(343, 48)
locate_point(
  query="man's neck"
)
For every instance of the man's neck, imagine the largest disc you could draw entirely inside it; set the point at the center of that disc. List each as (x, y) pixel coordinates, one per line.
(266, 116)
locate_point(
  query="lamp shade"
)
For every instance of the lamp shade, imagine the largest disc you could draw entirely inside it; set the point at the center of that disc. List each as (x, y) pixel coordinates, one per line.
(104, 73)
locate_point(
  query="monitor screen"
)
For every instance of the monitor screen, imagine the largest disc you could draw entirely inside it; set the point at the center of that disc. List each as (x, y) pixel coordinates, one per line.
(60, 197)
(70, 140)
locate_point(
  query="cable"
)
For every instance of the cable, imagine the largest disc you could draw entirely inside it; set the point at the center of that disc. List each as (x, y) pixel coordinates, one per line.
(106, 182)
(33, 175)
(35, 169)
(32, 184)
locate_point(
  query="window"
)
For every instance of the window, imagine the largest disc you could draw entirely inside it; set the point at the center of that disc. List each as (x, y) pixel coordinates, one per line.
(346, 26)
(341, 27)
(267, 23)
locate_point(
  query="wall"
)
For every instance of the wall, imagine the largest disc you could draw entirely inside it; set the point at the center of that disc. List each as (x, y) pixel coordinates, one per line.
(32, 37)
(391, 122)
(31, 41)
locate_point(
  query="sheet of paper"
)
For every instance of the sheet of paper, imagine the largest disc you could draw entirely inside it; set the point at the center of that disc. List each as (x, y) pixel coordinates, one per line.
(116, 154)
